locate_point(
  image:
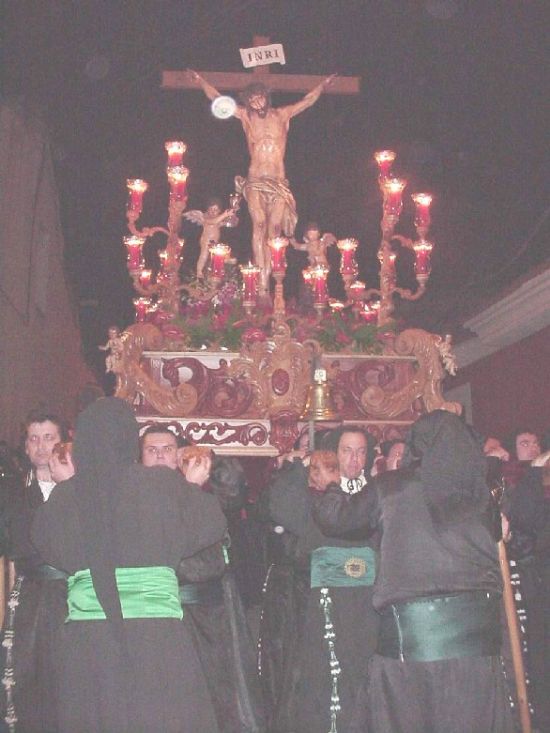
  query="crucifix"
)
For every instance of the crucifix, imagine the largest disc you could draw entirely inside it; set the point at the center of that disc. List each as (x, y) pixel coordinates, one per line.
(270, 201)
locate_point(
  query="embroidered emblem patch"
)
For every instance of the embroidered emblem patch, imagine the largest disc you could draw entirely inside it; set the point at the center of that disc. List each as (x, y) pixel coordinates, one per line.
(355, 567)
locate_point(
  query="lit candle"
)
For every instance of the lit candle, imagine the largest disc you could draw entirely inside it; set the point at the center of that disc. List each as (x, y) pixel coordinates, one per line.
(393, 195)
(136, 188)
(175, 150)
(390, 263)
(370, 313)
(145, 278)
(177, 177)
(163, 257)
(218, 255)
(336, 306)
(307, 275)
(423, 253)
(356, 290)
(133, 246)
(278, 259)
(142, 306)
(422, 202)
(251, 275)
(319, 280)
(347, 249)
(384, 158)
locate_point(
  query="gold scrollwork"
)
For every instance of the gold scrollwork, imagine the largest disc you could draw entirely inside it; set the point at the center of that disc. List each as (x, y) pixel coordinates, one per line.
(133, 380)
(426, 383)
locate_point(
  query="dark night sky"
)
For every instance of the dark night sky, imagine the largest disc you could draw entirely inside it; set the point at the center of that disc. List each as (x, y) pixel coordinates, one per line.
(457, 88)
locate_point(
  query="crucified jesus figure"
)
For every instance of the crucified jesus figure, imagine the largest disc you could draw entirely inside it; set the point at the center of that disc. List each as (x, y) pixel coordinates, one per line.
(270, 201)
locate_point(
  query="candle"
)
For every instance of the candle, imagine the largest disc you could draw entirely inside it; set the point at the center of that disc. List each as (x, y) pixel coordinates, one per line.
(347, 249)
(136, 188)
(133, 246)
(393, 196)
(218, 254)
(250, 274)
(163, 257)
(145, 278)
(319, 280)
(356, 290)
(307, 274)
(141, 305)
(177, 177)
(423, 253)
(390, 264)
(370, 313)
(278, 246)
(175, 150)
(336, 306)
(384, 158)
(422, 202)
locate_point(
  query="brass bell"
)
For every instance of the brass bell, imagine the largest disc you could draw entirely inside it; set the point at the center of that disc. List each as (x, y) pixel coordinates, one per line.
(319, 404)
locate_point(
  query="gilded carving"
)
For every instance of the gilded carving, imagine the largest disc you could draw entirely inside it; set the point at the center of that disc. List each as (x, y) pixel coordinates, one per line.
(132, 380)
(426, 383)
(262, 362)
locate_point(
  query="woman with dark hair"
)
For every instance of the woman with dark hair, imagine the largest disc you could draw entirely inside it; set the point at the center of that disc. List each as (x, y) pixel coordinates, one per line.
(119, 530)
(438, 588)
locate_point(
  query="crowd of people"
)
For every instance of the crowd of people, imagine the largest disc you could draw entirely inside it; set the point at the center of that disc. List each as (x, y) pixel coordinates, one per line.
(358, 592)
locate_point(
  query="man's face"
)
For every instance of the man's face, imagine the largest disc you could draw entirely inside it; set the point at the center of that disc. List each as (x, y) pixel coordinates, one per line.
(527, 447)
(395, 456)
(40, 440)
(258, 103)
(352, 454)
(159, 449)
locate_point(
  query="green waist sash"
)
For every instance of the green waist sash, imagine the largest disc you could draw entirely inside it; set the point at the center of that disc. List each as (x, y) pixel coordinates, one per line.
(149, 592)
(342, 567)
(442, 627)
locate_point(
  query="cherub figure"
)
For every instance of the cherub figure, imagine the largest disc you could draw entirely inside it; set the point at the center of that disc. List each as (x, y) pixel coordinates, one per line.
(315, 245)
(114, 347)
(211, 221)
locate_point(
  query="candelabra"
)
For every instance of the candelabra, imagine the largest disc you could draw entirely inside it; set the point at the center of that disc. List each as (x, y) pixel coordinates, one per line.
(373, 305)
(166, 287)
(392, 197)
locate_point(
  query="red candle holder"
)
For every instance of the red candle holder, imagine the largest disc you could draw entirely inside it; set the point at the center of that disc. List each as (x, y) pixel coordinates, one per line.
(218, 254)
(278, 246)
(142, 306)
(347, 249)
(175, 150)
(423, 253)
(356, 290)
(177, 178)
(385, 159)
(145, 278)
(370, 312)
(307, 275)
(136, 189)
(422, 203)
(133, 245)
(393, 196)
(319, 282)
(251, 276)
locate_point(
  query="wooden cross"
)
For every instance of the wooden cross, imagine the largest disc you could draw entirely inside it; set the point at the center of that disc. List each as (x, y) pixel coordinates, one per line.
(227, 80)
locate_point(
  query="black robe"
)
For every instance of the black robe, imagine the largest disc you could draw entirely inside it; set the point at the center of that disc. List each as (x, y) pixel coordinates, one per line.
(157, 683)
(418, 558)
(35, 614)
(304, 702)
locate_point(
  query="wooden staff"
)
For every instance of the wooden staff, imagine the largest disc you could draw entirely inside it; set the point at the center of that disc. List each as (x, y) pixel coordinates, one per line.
(513, 632)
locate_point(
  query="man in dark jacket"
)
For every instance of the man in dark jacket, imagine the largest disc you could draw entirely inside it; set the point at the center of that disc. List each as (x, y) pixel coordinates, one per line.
(438, 588)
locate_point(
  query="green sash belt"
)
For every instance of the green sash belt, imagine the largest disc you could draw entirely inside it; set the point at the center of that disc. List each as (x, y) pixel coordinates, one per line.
(442, 627)
(149, 592)
(336, 567)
